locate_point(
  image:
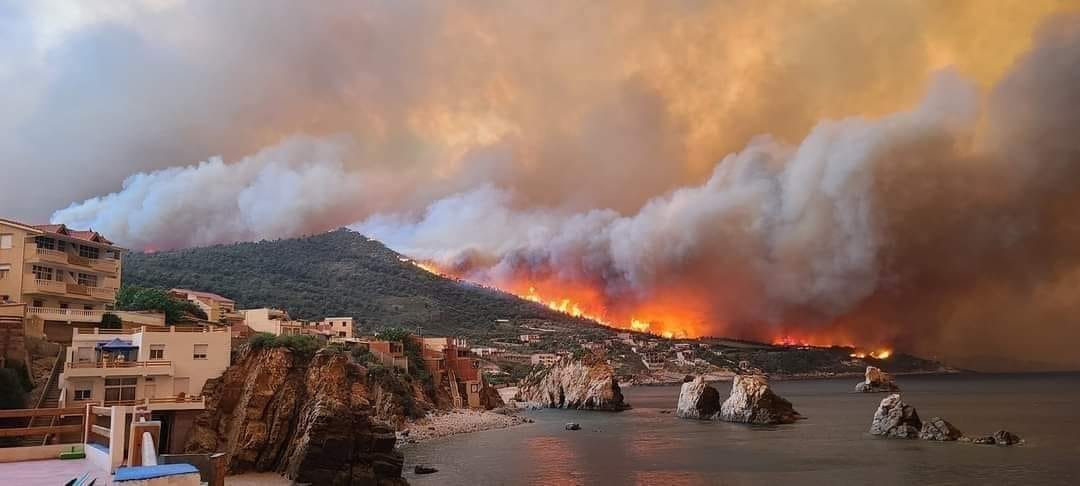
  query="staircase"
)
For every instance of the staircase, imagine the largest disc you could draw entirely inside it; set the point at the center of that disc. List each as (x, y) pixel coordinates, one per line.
(50, 398)
(454, 393)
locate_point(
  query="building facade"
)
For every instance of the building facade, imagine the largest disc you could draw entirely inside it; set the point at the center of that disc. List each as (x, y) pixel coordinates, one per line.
(218, 309)
(66, 277)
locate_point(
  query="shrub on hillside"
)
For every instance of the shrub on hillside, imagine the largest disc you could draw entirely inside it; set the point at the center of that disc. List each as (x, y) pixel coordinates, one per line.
(300, 344)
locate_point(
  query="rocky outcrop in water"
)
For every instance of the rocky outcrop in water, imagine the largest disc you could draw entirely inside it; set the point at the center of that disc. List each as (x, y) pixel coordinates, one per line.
(753, 402)
(877, 381)
(698, 400)
(309, 419)
(894, 418)
(1001, 437)
(584, 385)
(939, 429)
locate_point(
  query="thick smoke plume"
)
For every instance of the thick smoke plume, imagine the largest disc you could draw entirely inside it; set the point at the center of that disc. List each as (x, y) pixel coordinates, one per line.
(872, 174)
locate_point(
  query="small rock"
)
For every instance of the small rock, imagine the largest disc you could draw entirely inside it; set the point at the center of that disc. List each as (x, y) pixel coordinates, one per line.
(938, 428)
(421, 469)
(987, 439)
(894, 418)
(1006, 438)
(665, 411)
(573, 426)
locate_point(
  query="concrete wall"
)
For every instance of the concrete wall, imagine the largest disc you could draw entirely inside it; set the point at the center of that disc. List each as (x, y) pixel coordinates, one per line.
(11, 285)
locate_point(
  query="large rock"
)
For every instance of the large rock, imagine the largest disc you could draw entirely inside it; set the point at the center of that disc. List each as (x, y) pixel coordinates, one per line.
(490, 398)
(753, 402)
(894, 418)
(940, 429)
(877, 381)
(697, 400)
(587, 384)
(309, 419)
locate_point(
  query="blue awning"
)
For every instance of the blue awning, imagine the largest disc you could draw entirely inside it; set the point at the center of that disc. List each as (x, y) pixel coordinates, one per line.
(116, 345)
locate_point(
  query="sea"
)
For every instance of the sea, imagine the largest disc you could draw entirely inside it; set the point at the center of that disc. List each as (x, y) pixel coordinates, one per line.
(645, 446)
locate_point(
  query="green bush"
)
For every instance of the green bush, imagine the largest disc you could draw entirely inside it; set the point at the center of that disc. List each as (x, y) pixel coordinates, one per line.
(262, 340)
(362, 355)
(135, 298)
(111, 321)
(298, 343)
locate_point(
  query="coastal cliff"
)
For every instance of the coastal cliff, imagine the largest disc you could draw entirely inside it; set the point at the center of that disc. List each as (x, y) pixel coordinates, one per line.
(310, 419)
(587, 384)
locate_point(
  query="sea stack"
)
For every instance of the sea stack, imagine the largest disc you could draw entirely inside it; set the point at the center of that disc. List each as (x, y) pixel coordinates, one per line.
(894, 418)
(698, 400)
(877, 381)
(588, 384)
(753, 402)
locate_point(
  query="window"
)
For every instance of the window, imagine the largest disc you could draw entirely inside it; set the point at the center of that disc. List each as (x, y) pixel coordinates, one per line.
(474, 388)
(157, 351)
(118, 389)
(341, 334)
(39, 303)
(88, 280)
(63, 305)
(5, 268)
(82, 393)
(89, 252)
(5, 241)
(200, 351)
(88, 307)
(45, 243)
(42, 273)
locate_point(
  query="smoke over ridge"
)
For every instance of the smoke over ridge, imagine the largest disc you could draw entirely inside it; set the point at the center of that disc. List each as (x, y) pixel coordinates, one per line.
(700, 170)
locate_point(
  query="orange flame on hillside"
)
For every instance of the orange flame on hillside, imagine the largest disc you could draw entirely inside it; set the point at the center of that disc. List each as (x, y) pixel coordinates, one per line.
(671, 315)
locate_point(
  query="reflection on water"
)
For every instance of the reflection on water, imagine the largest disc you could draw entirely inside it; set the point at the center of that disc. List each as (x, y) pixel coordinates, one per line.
(645, 447)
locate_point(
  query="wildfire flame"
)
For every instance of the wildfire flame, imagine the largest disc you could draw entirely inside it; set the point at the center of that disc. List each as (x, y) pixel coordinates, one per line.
(664, 318)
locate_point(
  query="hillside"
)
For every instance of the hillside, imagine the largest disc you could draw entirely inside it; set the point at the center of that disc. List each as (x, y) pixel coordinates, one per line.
(343, 273)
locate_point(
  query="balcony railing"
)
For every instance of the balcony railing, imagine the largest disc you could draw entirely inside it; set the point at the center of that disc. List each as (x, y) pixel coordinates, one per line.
(180, 399)
(119, 364)
(80, 315)
(103, 264)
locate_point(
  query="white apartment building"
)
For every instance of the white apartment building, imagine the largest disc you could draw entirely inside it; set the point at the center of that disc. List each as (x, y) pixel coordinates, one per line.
(163, 368)
(273, 321)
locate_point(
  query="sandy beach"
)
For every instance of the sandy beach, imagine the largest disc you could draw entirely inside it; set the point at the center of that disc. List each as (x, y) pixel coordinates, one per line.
(458, 422)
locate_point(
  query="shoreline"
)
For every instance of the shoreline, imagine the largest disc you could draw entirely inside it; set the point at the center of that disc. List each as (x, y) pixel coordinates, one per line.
(448, 423)
(807, 377)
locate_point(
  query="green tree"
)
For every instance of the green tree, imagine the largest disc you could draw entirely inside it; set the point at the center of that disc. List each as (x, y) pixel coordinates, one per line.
(111, 321)
(135, 298)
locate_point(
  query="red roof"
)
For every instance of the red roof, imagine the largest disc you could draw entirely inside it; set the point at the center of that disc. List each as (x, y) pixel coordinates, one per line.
(85, 235)
(206, 295)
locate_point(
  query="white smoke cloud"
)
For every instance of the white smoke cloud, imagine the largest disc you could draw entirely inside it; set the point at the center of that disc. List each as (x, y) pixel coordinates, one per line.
(297, 187)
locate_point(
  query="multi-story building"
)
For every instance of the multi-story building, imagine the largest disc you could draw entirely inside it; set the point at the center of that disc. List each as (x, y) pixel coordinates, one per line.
(545, 359)
(162, 369)
(449, 361)
(217, 308)
(340, 327)
(66, 277)
(529, 338)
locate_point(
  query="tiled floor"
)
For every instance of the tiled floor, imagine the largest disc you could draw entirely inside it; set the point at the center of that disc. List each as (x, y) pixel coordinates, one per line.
(50, 472)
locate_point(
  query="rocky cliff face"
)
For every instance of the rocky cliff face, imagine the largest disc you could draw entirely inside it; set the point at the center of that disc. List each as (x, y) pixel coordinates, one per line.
(585, 385)
(753, 402)
(877, 381)
(310, 420)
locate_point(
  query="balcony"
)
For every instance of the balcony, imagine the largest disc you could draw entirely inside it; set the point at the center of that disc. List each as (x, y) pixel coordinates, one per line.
(179, 402)
(79, 315)
(33, 285)
(118, 368)
(44, 255)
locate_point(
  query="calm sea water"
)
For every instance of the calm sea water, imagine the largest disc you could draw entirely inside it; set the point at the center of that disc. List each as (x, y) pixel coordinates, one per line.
(645, 447)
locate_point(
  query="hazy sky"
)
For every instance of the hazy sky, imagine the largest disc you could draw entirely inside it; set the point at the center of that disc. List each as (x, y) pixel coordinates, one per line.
(834, 169)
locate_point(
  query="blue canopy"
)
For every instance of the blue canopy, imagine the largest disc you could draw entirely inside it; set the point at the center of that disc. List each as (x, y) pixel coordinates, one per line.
(116, 345)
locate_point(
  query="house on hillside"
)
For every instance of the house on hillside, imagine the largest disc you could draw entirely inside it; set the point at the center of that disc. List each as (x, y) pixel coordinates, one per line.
(529, 338)
(452, 364)
(218, 309)
(544, 359)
